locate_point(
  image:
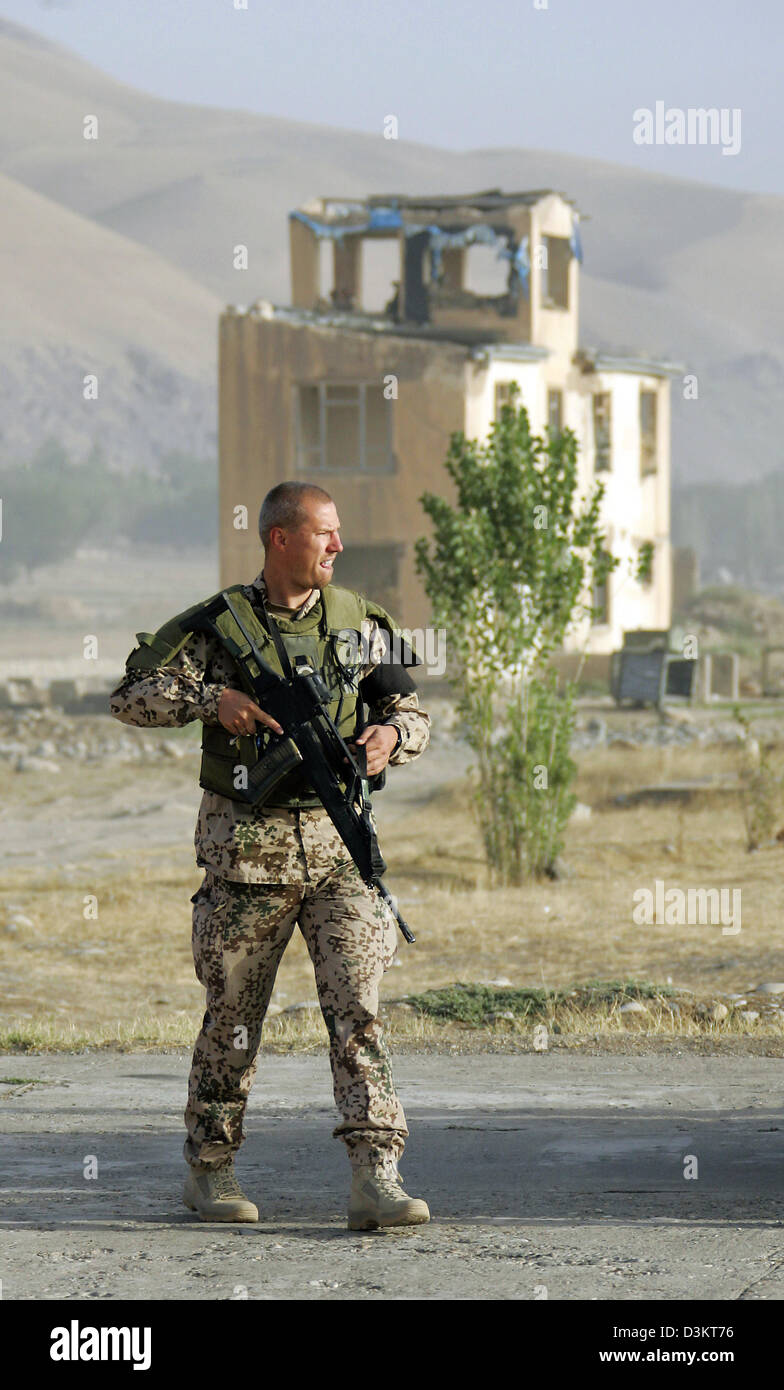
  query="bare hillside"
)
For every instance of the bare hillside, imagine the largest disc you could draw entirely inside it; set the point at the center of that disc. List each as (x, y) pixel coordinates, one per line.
(79, 299)
(671, 267)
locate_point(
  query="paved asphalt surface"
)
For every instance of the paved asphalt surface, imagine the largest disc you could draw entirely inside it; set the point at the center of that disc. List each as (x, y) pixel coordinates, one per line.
(548, 1175)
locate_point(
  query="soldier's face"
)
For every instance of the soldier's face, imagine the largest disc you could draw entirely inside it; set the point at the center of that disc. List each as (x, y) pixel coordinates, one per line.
(311, 549)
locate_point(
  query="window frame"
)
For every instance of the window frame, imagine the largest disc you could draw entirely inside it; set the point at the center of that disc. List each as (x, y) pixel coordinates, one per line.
(563, 255)
(314, 458)
(604, 619)
(651, 453)
(555, 391)
(605, 467)
(503, 385)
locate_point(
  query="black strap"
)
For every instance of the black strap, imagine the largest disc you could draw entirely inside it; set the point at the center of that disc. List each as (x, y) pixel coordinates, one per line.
(283, 656)
(274, 632)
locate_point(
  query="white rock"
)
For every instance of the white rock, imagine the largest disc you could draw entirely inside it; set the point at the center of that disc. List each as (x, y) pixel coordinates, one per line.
(749, 1015)
(19, 923)
(676, 716)
(633, 1007)
(716, 1012)
(32, 764)
(770, 988)
(501, 982)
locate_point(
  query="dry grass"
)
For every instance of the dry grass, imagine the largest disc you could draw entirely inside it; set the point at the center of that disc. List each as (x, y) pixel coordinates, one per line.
(126, 979)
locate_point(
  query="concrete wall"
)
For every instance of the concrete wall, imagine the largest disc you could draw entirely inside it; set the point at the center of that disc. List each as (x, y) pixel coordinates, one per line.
(261, 361)
(551, 327)
(452, 306)
(635, 508)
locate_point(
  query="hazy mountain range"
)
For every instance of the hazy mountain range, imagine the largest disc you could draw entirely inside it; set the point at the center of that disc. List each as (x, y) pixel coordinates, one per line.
(117, 259)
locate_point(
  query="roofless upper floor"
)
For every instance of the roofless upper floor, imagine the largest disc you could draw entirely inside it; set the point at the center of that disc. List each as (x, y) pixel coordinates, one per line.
(479, 267)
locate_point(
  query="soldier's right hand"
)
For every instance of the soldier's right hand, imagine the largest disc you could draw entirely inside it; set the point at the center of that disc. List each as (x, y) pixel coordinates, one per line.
(239, 714)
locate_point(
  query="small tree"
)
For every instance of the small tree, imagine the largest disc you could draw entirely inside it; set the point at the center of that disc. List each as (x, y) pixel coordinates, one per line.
(507, 572)
(761, 786)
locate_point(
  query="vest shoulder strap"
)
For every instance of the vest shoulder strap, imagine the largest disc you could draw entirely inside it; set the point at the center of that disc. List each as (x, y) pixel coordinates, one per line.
(160, 647)
(343, 608)
(233, 640)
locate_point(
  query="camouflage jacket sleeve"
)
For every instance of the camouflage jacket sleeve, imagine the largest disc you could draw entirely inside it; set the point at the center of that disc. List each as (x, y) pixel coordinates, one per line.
(190, 687)
(167, 696)
(401, 711)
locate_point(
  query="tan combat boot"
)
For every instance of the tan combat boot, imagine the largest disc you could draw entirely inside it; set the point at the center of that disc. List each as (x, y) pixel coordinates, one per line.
(217, 1196)
(377, 1199)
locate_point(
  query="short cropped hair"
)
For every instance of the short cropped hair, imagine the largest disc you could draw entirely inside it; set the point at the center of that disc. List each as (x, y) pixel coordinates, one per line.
(283, 506)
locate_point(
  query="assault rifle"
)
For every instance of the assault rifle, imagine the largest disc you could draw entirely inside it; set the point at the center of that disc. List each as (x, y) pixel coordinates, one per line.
(310, 739)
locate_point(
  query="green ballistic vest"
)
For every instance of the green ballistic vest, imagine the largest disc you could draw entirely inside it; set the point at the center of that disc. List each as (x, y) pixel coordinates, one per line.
(328, 637)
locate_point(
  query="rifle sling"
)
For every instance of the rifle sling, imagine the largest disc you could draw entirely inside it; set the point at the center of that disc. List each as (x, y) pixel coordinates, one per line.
(274, 632)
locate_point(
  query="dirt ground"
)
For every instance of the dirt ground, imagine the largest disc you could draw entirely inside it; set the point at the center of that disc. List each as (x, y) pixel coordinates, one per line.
(113, 839)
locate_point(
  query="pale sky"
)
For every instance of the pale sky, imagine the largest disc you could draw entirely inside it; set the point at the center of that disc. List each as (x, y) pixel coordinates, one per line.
(460, 74)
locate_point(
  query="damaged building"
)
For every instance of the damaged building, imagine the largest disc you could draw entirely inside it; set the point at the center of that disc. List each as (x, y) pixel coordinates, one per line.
(410, 318)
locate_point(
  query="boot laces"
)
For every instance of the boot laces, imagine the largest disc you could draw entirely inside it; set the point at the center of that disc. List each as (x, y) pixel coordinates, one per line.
(389, 1185)
(225, 1182)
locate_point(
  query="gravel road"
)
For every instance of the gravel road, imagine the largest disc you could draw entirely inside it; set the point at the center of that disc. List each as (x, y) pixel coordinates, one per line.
(548, 1175)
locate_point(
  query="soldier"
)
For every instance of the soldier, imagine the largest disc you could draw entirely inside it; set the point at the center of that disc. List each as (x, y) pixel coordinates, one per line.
(268, 868)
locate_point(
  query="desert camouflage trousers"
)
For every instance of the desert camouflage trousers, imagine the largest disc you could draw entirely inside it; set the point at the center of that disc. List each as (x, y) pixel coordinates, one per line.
(240, 931)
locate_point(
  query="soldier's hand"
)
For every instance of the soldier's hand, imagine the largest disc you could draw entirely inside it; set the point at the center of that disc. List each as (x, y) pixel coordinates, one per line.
(378, 740)
(239, 714)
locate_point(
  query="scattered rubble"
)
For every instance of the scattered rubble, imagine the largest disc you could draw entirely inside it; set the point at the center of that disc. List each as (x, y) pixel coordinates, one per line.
(680, 731)
(46, 741)
(33, 726)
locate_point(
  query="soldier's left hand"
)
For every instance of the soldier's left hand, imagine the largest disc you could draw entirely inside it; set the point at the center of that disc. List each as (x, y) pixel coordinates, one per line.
(378, 740)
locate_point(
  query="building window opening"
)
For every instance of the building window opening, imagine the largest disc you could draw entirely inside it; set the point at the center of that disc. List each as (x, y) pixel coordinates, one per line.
(555, 272)
(343, 427)
(486, 273)
(600, 602)
(373, 570)
(380, 273)
(602, 427)
(555, 411)
(648, 440)
(503, 396)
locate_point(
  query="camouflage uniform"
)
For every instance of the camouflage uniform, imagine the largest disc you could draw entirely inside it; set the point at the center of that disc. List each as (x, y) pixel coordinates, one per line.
(267, 870)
